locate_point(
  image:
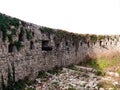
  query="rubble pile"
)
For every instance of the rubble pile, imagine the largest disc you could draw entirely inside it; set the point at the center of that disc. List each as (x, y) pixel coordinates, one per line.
(68, 79)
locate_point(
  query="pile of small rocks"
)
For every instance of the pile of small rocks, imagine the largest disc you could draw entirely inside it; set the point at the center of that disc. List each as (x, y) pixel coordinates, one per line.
(77, 78)
(81, 78)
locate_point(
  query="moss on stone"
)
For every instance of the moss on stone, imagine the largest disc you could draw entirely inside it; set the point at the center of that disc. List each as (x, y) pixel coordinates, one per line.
(100, 37)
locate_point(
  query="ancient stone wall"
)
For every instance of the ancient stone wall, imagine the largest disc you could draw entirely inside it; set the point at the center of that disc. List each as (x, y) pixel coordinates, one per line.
(34, 48)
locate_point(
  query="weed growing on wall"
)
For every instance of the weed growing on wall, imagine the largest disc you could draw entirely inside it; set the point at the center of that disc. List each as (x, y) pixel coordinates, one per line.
(5, 23)
(18, 45)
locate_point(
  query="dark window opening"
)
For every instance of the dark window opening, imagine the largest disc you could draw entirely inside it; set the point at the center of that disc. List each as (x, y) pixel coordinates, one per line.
(57, 45)
(10, 47)
(45, 43)
(100, 43)
(81, 44)
(45, 46)
(31, 45)
(66, 43)
(73, 44)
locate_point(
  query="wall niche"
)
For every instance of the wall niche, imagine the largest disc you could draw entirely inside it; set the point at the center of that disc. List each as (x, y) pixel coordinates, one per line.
(31, 45)
(100, 43)
(10, 47)
(46, 46)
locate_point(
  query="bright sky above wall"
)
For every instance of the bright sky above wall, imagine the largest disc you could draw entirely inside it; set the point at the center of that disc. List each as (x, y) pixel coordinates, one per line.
(81, 16)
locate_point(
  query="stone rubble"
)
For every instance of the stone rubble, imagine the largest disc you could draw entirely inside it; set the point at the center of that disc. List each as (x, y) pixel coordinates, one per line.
(113, 78)
(78, 80)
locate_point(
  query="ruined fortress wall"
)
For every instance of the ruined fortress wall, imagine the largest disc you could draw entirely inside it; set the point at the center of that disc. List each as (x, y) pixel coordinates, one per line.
(47, 48)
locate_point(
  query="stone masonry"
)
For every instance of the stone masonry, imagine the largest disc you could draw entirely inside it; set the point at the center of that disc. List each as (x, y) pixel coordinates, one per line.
(44, 48)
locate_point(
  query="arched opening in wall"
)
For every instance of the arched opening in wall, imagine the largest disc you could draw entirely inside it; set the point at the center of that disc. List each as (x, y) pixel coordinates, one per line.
(73, 44)
(10, 47)
(46, 46)
(31, 45)
(66, 43)
(100, 43)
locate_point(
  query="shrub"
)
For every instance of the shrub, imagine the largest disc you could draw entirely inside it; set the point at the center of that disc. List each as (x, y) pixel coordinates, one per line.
(41, 74)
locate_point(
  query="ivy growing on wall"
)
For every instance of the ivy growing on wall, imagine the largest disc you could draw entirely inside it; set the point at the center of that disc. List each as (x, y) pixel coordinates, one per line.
(46, 30)
(28, 34)
(14, 31)
(14, 22)
(18, 45)
(93, 38)
(3, 83)
(10, 37)
(5, 23)
(12, 84)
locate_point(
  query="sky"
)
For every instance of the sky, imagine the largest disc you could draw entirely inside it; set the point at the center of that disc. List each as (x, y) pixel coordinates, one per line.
(79, 16)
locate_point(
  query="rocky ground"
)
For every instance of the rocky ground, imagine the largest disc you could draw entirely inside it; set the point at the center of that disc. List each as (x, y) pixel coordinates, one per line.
(78, 78)
(111, 78)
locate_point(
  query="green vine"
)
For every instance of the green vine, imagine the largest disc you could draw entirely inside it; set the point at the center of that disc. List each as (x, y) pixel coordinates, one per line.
(46, 30)
(93, 38)
(10, 37)
(28, 35)
(18, 45)
(5, 23)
